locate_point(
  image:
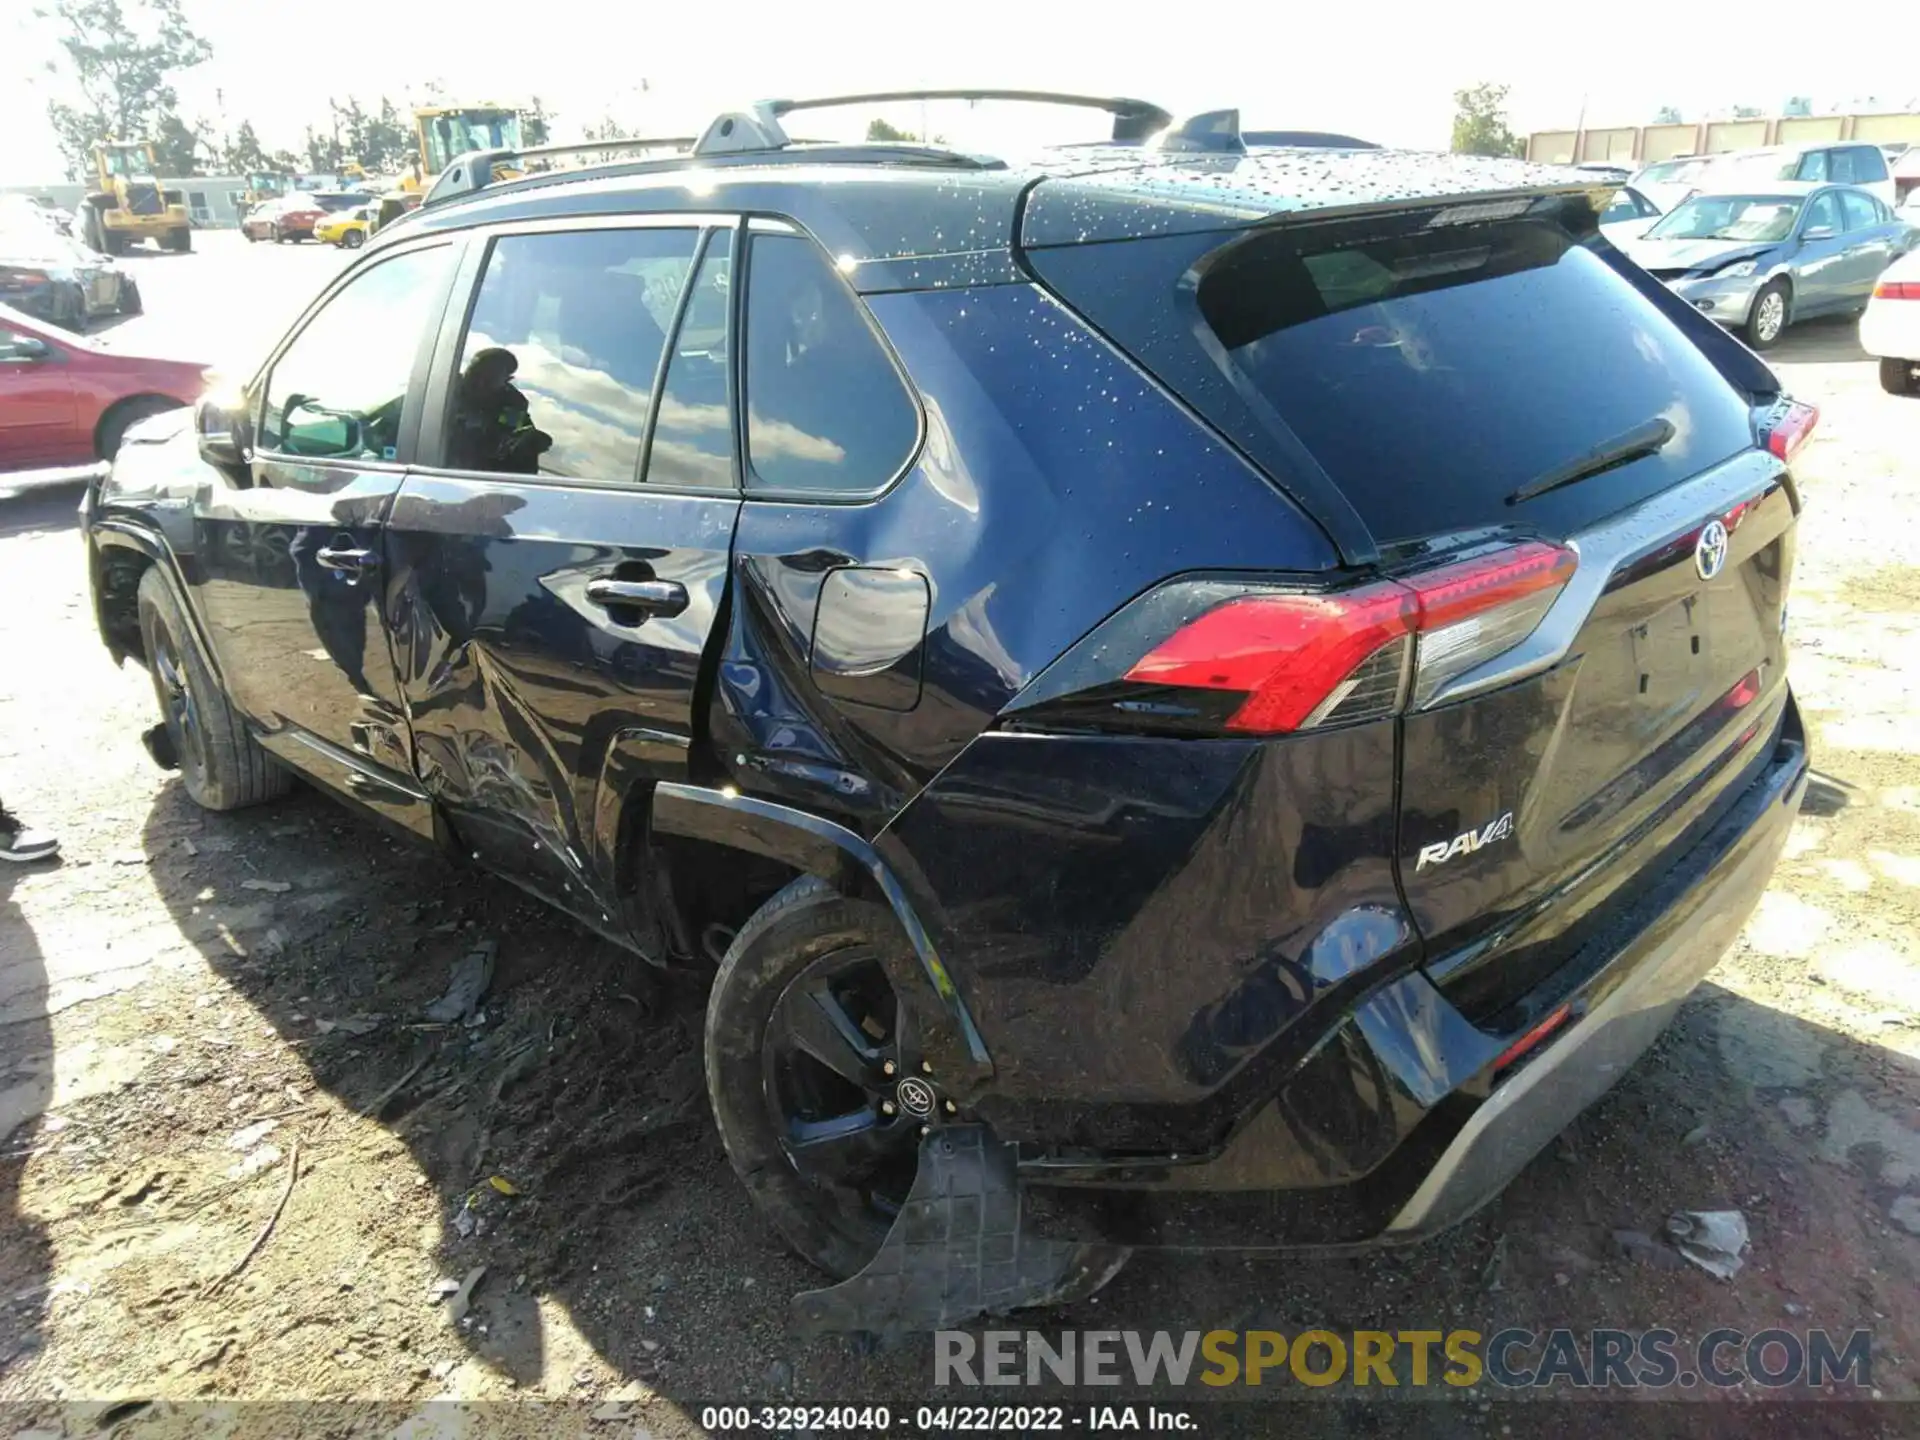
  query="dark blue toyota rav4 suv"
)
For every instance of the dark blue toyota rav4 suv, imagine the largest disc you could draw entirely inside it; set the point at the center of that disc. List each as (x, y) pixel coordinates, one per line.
(1195, 695)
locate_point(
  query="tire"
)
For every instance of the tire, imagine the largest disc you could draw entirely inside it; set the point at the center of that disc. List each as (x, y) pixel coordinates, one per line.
(252, 239)
(353, 239)
(1898, 377)
(180, 242)
(809, 926)
(273, 234)
(221, 765)
(115, 423)
(116, 243)
(1767, 320)
(130, 300)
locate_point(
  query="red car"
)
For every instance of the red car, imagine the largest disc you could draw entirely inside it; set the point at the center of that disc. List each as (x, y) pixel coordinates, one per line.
(66, 402)
(288, 217)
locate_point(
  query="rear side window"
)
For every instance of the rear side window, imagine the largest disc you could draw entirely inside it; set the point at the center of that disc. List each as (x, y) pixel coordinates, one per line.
(1436, 370)
(566, 337)
(693, 430)
(827, 409)
(1859, 165)
(1861, 211)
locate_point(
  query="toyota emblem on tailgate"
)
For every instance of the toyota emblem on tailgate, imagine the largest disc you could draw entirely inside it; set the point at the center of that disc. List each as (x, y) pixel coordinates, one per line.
(1710, 550)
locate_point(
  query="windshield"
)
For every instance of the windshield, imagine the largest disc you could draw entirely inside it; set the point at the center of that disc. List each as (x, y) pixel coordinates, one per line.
(127, 160)
(1773, 165)
(1670, 172)
(1729, 217)
(453, 135)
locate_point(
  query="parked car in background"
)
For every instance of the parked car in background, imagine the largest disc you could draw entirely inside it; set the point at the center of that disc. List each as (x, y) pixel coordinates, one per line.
(1851, 163)
(1078, 742)
(1628, 215)
(1890, 330)
(65, 401)
(285, 217)
(1758, 261)
(60, 280)
(348, 228)
(1906, 177)
(1667, 182)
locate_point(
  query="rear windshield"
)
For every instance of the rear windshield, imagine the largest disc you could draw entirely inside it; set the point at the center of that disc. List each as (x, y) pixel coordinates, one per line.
(1434, 370)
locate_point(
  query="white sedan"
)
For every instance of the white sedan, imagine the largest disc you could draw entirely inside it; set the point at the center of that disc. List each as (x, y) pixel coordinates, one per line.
(1891, 327)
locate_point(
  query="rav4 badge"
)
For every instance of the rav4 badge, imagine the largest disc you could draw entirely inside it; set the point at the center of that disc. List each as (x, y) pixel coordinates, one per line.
(1465, 843)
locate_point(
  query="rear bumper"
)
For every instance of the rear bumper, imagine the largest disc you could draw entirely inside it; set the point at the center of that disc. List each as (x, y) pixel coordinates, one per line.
(1459, 1128)
(1622, 1010)
(1891, 329)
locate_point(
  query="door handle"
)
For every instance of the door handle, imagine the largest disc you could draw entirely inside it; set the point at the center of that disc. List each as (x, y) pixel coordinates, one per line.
(347, 561)
(654, 597)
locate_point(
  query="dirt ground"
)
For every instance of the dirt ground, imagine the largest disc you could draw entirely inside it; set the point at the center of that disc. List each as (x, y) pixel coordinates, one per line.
(210, 1032)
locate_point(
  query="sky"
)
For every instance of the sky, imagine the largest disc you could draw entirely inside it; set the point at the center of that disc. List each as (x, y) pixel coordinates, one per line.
(1385, 71)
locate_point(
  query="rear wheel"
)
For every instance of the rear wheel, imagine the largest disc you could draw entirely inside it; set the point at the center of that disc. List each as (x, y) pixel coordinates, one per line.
(1767, 320)
(805, 1043)
(273, 234)
(178, 241)
(221, 765)
(354, 239)
(1900, 377)
(129, 299)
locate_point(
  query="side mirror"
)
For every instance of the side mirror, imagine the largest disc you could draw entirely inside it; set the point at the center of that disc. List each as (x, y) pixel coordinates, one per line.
(1818, 232)
(220, 424)
(25, 347)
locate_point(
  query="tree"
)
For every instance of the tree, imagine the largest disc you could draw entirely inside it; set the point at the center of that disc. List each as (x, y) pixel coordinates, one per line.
(378, 139)
(176, 147)
(121, 71)
(535, 123)
(323, 151)
(878, 129)
(1480, 122)
(242, 154)
(1667, 115)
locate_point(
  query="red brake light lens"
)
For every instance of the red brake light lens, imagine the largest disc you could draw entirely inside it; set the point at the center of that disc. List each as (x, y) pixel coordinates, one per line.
(1304, 660)
(1897, 290)
(1788, 434)
(1286, 652)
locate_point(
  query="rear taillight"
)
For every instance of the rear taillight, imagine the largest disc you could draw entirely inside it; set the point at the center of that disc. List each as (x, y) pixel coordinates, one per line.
(1897, 290)
(1300, 661)
(1792, 430)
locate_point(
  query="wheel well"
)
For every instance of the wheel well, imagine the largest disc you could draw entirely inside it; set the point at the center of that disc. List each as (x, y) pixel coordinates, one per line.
(118, 588)
(700, 892)
(153, 403)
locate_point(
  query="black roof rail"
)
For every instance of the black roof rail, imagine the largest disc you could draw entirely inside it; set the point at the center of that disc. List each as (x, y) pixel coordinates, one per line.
(757, 129)
(758, 126)
(474, 170)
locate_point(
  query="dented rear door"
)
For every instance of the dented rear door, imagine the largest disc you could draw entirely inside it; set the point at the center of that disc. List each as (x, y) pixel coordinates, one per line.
(557, 574)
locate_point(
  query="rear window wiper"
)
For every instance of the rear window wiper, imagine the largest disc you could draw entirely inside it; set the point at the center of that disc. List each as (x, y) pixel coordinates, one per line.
(1634, 444)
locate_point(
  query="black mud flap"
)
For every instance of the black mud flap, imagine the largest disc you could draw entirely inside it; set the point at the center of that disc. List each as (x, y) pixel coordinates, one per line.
(957, 1251)
(160, 747)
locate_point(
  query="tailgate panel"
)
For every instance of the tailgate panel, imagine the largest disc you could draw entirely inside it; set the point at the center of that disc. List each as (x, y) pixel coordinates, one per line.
(1647, 721)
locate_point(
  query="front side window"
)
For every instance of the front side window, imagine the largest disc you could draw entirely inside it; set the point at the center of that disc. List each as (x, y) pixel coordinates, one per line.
(1823, 213)
(827, 410)
(1813, 166)
(557, 371)
(338, 392)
